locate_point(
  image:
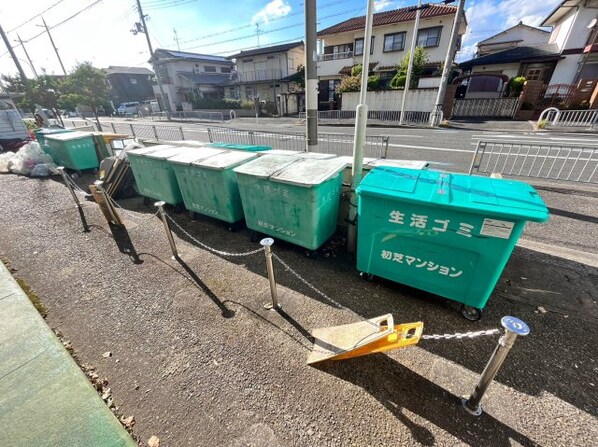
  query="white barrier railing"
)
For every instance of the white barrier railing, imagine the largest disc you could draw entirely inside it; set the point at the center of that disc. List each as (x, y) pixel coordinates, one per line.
(569, 118)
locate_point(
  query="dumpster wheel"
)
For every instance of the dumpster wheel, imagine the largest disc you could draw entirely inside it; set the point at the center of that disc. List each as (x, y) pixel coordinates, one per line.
(471, 313)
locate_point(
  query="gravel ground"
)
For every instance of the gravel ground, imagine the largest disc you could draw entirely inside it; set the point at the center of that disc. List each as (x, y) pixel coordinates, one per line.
(199, 362)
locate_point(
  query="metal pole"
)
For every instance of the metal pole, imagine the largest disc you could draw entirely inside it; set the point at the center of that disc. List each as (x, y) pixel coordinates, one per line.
(160, 205)
(55, 49)
(75, 198)
(410, 64)
(267, 243)
(513, 328)
(311, 76)
(448, 62)
(13, 55)
(361, 118)
(27, 54)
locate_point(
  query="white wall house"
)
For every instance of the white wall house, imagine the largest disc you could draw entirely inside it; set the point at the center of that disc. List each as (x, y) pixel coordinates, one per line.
(570, 53)
(187, 75)
(266, 72)
(575, 33)
(341, 45)
(518, 35)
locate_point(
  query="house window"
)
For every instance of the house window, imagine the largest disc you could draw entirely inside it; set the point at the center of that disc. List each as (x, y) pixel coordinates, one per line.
(247, 60)
(394, 42)
(533, 74)
(338, 49)
(271, 57)
(209, 69)
(429, 37)
(359, 46)
(133, 81)
(225, 69)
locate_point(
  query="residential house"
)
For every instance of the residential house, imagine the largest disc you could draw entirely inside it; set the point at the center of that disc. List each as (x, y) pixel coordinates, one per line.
(186, 77)
(267, 72)
(570, 54)
(341, 45)
(515, 36)
(129, 84)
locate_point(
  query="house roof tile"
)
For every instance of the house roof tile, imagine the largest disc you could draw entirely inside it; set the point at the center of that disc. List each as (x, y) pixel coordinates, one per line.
(518, 54)
(388, 18)
(267, 50)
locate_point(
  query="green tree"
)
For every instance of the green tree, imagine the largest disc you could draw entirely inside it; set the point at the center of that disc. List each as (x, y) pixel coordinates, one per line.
(86, 85)
(420, 58)
(43, 90)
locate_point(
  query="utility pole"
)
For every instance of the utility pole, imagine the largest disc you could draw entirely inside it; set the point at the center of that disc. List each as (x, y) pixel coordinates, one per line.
(448, 63)
(55, 49)
(361, 120)
(165, 103)
(176, 39)
(257, 33)
(410, 64)
(13, 55)
(311, 76)
(27, 54)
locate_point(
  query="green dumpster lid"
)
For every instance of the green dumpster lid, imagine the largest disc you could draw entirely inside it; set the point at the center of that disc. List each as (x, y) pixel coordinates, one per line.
(317, 155)
(499, 197)
(265, 166)
(409, 164)
(280, 152)
(309, 172)
(164, 154)
(188, 155)
(148, 150)
(225, 160)
(67, 136)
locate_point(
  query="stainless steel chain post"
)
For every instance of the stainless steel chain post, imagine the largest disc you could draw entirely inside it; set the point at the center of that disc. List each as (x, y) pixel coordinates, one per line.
(75, 198)
(267, 243)
(514, 327)
(160, 205)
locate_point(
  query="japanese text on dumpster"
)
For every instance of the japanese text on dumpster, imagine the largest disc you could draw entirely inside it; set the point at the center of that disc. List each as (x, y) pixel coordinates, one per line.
(419, 263)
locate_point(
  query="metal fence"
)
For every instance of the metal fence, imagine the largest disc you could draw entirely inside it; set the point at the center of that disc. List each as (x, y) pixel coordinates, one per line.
(376, 146)
(485, 108)
(339, 144)
(566, 161)
(383, 116)
(569, 118)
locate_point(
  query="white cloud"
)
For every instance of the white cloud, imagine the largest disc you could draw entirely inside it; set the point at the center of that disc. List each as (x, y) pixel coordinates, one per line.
(381, 5)
(276, 8)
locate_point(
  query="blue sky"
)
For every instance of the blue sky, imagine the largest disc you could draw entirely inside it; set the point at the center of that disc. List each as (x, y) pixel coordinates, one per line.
(101, 32)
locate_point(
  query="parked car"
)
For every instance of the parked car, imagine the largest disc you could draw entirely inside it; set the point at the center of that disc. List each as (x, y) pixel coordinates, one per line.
(128, 108)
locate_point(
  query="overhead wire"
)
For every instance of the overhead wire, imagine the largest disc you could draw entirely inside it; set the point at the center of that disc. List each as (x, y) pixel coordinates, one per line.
(34, 17)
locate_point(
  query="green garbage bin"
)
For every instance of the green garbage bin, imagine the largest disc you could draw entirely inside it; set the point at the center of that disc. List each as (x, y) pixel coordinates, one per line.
(154, 175)
(292, 198)
(209, 185)
(40, 136)
(241, 147)
(74, 150)
(448, 234)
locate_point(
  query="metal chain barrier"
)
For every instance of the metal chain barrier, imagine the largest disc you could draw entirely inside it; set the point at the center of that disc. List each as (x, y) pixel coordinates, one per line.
(130, 214)
(459, 335)
(207, 247)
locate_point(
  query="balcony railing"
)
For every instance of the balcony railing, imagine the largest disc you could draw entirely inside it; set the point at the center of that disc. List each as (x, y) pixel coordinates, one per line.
(335, 56)
(271, 74)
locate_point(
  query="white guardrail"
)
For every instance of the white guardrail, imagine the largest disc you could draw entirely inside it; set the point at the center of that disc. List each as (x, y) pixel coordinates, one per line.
(554, 117)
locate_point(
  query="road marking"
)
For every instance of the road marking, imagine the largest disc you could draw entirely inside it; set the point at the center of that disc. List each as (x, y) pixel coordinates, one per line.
(429, 148)
(582, 257)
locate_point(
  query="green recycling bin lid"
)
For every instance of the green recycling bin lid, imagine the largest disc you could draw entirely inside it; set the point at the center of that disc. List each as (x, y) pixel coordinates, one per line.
(164, 154)
(409, 164)
(265, 166)
(317, 155)
(225, 160)
(68, 136)
(148, 150)
(241, 147)
(500, 197)
(281, 152)
(188, 155)
(309, 172)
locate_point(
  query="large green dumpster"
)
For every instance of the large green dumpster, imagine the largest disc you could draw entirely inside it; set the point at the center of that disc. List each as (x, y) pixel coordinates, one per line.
(154, 175)
(74, 150)
(40, 136)
(241, 147)
(209, 185)
(448, 234)
(292, 198)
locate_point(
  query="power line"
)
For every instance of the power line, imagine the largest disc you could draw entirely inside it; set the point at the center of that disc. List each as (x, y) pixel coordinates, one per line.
(35, 16)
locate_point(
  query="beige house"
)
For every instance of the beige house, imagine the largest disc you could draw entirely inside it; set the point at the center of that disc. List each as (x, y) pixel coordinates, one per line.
(263, 73)
(341, 45)
(515, 36)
